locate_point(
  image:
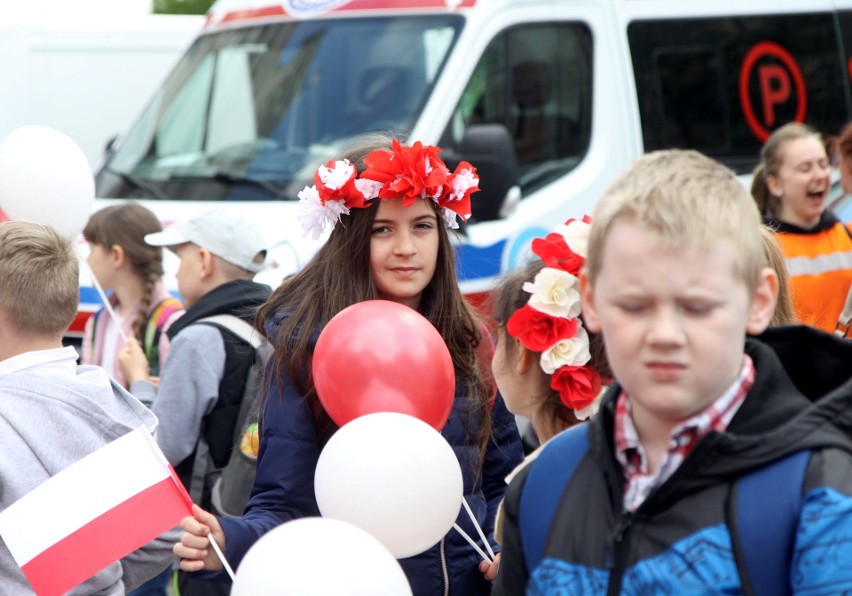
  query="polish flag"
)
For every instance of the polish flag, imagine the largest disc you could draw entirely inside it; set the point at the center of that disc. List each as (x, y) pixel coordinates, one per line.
(93, 513)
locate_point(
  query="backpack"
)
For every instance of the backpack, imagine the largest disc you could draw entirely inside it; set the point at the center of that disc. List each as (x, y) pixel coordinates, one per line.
(154, 330)
(232, 484)
(763, 497)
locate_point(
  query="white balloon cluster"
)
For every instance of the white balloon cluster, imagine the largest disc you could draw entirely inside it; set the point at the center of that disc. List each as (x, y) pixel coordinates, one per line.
(389, 486)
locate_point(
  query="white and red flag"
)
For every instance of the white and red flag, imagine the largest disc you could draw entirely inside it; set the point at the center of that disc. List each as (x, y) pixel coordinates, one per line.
(94, 513)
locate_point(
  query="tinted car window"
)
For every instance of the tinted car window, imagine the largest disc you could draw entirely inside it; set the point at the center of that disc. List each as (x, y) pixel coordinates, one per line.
(722, 85)
(536, 80)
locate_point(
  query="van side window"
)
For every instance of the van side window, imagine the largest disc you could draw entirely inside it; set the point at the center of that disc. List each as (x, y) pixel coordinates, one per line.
(534, 79)
(722, 85)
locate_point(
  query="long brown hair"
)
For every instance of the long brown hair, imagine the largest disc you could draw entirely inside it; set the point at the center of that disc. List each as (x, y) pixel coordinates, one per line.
(339, 276)
(126, 225)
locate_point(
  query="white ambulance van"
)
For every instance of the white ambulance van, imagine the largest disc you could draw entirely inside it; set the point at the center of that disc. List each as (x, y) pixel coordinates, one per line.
(550, 99)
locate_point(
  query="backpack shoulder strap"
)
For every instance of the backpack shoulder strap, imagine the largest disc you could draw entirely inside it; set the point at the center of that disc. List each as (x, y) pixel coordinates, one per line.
(96, 318)
(768, 506)
(262, 350)
(238, 327)
(154, 327)
(547, 479)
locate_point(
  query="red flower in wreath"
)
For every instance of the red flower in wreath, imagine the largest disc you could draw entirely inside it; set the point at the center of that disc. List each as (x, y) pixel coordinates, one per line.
(578, 386)
(335, 181)
(460, 185)
(538, 331)
(412, 173)
(554, 251)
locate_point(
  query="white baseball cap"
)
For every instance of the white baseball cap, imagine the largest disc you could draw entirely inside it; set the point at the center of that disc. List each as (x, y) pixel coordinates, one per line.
(226, 233)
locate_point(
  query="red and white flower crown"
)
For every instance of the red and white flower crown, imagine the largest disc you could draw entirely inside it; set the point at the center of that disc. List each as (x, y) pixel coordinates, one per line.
(409, 173)
(550, 322)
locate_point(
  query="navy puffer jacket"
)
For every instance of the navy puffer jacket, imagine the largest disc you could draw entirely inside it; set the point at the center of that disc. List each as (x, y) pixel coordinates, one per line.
(284, 487)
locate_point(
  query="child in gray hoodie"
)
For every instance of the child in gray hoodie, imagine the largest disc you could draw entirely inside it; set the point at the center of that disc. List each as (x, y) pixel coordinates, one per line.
(53, 412)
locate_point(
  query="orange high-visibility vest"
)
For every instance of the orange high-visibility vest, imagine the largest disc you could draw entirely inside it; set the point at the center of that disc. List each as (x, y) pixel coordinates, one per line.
(820, 266)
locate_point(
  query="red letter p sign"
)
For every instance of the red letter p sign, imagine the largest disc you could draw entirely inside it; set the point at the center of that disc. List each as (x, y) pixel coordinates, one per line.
(774, 81)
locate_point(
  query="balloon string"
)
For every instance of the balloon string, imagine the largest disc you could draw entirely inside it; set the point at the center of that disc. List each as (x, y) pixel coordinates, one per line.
(477, 526)
(472, 543)
(107, 305)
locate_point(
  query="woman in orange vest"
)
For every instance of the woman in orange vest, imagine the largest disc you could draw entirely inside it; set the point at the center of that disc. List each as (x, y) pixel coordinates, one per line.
(790, 186)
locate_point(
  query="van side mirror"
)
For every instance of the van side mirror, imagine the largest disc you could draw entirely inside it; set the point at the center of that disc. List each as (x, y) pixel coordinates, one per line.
(489, 148)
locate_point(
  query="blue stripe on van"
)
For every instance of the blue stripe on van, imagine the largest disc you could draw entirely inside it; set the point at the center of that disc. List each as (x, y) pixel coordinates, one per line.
(478, 262)
(89, 296)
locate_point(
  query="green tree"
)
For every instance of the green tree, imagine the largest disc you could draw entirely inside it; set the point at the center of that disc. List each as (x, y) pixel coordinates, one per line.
(181, 6)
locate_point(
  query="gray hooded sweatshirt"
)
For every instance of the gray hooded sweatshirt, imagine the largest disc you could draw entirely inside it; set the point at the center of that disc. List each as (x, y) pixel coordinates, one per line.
(53, 413)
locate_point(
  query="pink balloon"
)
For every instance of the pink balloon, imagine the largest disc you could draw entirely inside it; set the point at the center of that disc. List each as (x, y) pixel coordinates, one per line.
(380, 356)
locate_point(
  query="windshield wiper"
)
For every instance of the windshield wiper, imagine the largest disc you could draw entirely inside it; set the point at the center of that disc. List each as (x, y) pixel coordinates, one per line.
(140, 184)
(234, 179)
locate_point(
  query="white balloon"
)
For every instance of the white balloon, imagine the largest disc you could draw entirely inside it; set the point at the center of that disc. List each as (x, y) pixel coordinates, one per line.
(45, 178)
(394, 476)
(317, 556)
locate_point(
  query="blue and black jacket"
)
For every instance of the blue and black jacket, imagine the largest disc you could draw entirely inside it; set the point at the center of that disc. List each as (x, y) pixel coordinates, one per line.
(679, 541)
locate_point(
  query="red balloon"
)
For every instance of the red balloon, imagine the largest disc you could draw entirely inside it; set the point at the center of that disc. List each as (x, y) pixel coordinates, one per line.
(380, 356)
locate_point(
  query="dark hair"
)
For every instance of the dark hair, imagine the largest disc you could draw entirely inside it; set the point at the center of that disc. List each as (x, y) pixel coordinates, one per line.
(339, 276)
(126, 225)
(843, 143)
(508, 297)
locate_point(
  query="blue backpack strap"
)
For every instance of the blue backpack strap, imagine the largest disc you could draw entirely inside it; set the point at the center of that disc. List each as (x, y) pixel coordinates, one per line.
(546, 481)
(769, 503)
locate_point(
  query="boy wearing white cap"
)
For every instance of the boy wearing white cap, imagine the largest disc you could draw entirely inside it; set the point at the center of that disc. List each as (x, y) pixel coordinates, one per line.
(202, 383)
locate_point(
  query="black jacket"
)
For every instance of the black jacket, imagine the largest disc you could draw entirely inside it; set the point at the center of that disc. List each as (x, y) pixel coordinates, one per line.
(240, 298)
(679, 541)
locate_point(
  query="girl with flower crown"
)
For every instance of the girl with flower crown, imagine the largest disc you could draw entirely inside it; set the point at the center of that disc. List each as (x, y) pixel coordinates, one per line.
(548, 367)
(387, 205)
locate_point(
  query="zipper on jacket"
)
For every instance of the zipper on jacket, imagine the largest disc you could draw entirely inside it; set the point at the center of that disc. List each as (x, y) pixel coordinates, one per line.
(617, 557)
(444, 567)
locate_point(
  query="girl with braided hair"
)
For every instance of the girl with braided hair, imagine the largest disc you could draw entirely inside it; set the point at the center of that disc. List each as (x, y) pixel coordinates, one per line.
(123, 263)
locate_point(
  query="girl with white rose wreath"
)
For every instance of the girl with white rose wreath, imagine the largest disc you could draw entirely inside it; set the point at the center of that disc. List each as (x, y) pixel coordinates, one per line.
(547, 366)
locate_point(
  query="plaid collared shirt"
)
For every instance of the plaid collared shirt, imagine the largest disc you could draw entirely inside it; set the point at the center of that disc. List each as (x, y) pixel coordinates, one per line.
(631, 455)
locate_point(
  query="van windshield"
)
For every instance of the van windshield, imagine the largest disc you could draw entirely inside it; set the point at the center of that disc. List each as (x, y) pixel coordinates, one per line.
(249, 113)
